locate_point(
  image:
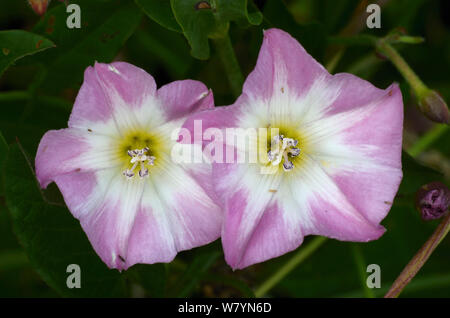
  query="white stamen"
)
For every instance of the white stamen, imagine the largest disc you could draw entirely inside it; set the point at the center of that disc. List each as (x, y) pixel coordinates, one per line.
(138, 156)
(281, 149)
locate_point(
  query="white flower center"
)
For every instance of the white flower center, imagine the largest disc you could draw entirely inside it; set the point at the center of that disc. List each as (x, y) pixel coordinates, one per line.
(139, 157)
(281, 149)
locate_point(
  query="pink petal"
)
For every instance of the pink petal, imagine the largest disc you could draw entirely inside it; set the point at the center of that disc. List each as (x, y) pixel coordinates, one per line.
(181, 98)
(173, 219)
(251, 212)
(282, 64)
(73, 150)
(330, 212)
(90, 104)
(57, 154)
(268, 219)
(105, 203)
(76, 187)
(131, 83)
(107, 87)
(219, 117)
(129, 221)
(270, 237)
(354, 136)
(370, 148)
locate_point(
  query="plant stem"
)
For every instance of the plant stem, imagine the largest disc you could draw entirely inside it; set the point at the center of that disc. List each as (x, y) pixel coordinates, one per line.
(426, 140)
(226, 52)
(361, 266)
(12, 260)
(419, 259)
(356, 24)
(32, 89)
(12, 96)
(365, 66)
(417, 85)
(331, 65)
(298, 257)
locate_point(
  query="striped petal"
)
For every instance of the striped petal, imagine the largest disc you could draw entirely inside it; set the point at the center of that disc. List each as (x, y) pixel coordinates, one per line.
(350, 136)
(136, 218)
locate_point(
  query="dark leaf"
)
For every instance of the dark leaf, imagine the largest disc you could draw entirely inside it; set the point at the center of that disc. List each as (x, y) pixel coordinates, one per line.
(3, 150)
(416, 175)
(51, 237)
(161, 12)
(151, 277)
(204, 258)
(312, 36)
(201, 20)
(15, 44)
(105, 26)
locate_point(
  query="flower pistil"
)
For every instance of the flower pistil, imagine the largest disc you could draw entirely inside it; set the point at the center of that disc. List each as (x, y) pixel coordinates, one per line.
(280, 149)
(138, 156)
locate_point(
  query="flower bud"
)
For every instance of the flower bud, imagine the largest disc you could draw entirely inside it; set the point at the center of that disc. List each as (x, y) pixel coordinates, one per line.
(434, 107)
(39, 6)
(202, 5)
(433, 200)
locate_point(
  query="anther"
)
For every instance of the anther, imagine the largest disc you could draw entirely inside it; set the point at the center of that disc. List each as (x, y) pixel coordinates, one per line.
(281, 149)
(138, 156)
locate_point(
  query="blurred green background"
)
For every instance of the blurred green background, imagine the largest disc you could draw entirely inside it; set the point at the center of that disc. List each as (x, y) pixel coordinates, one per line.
(39, 237)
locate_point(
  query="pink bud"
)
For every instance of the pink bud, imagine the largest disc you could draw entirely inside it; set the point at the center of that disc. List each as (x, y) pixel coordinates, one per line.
(434, 107)
(433, 200)
(39, 6)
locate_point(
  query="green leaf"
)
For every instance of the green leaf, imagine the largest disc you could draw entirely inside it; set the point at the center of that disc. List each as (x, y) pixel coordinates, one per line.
(236, 10)
(312, 36)
(3, 153)
(161, 12)
(16, 121)
(232, 282)
(203, 260)
(199, 24)
(51, 237)
(3, 149)
(154, 46)
(15, 44)
(105, 27)
(354, 40)
(415, 175)
(151, 277)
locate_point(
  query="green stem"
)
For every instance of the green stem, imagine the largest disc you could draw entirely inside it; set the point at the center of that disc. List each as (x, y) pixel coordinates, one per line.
(12, 96)
(417, 85)
(32, 89)
(331, 65)
(298, 257)
(365, 66)
(226, 52)
(441, 280)
(419, 259)
(426, 140)
(361, 266)
(12, 260)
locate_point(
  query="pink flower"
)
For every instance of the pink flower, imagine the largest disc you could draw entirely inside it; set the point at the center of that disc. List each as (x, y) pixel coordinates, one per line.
(39, 6)
(332, 169)
(113, 166)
